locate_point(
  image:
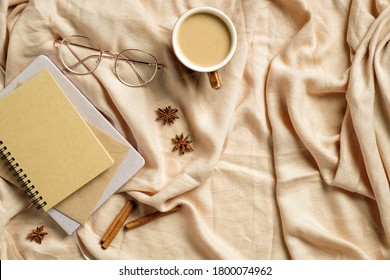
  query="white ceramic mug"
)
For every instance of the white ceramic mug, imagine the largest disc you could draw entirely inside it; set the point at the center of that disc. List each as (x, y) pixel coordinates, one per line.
(212, 70)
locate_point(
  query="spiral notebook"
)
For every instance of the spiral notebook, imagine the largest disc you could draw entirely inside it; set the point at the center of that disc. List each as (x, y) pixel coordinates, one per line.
(76, 209)
(45, 143)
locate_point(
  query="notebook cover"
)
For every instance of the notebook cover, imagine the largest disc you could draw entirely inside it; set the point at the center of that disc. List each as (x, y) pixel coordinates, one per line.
(49, 140)
(80, 205)
(132, 161)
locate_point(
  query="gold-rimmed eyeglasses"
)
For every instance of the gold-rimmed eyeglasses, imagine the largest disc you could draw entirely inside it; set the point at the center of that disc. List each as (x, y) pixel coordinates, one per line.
(81, 55)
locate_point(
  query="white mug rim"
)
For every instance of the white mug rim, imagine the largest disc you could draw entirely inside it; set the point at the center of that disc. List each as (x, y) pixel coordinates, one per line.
(220, 15)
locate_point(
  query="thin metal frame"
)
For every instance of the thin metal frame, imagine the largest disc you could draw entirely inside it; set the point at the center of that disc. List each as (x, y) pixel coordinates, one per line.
(109, 55)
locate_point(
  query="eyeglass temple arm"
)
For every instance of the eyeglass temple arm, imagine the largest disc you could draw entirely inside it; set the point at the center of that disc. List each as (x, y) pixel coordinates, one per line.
(80, 61)
(107, 55)
(136, 72)
(113, 56)
(129, 61)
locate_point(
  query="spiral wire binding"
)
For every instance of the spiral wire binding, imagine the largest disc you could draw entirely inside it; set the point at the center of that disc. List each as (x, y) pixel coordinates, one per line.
(22, 179)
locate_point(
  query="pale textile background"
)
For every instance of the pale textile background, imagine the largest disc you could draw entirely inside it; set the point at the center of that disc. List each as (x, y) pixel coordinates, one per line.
(291, 157)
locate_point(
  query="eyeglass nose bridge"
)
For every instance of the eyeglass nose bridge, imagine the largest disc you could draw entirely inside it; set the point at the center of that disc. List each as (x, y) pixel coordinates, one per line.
(109, 54)
(112, 56)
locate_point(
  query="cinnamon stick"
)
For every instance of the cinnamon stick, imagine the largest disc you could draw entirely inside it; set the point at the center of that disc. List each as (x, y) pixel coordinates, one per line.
(148, 218)
(116, 225)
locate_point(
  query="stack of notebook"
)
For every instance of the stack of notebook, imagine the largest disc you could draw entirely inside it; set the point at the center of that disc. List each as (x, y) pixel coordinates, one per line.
(58, 148)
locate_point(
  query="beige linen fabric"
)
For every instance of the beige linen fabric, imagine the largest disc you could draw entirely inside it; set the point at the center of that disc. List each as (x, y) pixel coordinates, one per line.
(291, 156)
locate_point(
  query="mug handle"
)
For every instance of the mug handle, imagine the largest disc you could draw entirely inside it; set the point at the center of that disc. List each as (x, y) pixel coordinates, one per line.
(215, 79)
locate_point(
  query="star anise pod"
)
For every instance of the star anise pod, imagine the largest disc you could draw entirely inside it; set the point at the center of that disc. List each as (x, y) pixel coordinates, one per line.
(182, 144)
(37, 234)
(167, 115)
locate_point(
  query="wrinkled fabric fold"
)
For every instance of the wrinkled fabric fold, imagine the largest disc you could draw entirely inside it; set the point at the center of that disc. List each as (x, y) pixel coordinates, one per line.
(290, 157)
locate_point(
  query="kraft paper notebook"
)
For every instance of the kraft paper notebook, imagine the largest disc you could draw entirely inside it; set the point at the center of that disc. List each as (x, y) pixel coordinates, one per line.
(75, 210)
(38, 143)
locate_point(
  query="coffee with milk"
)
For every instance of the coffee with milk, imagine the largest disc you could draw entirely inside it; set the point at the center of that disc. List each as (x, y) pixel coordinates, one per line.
(204, 39)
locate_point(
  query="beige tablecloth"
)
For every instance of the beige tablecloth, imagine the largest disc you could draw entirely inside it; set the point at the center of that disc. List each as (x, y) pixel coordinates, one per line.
(291, 157)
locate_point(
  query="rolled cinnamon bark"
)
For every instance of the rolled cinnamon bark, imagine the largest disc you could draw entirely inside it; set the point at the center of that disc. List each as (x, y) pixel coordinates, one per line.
(116, 225)
(148, 218)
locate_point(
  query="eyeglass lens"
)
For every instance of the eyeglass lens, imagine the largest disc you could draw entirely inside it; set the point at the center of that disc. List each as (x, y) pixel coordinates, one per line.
(80, 55)
(133, 67)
